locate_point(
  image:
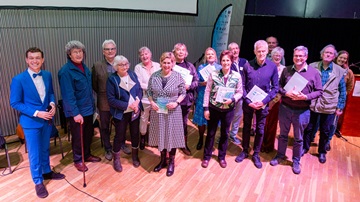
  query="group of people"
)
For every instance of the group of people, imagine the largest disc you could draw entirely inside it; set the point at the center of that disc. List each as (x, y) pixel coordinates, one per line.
(163, 93)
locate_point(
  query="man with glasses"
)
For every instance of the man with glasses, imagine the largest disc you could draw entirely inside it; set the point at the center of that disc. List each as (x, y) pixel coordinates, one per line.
(330, 104)
(295, 105)
(100, 73)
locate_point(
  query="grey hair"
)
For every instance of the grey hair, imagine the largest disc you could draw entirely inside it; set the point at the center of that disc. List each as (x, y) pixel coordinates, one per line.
(144, 48)
(232, 43)
(279, 50)
(118, 59)
(261, 43)
(302, 48)
(108, 41)
(179, 45)
(74, 44)
(330, 45)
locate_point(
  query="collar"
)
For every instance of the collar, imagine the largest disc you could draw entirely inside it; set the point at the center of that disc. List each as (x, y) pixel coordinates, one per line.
(302, 69)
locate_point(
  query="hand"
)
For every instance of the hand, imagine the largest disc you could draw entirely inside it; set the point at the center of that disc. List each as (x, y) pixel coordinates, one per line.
(207, 115)
(172, 105)
(53, 109)
(44, 115)
(79, 119)
(300, 96)
(338, 112)
(256, 105)
(227, 101)
(134, 106)
(154, 106)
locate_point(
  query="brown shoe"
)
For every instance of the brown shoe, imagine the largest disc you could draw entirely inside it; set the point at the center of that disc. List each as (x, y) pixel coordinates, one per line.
(222, 163)
(81, 167)
(205, 163)
(93, 159)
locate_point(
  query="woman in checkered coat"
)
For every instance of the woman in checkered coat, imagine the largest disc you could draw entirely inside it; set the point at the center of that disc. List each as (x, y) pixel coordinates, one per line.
(166, 89)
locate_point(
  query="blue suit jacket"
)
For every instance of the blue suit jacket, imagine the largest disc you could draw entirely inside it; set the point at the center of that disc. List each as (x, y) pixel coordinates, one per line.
(25, 98)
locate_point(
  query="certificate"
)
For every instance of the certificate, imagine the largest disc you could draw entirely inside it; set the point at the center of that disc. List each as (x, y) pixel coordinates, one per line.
(256, 94)
(206, 71)
(356, 92)
(185, 74)
(224, 93)
(296, 83)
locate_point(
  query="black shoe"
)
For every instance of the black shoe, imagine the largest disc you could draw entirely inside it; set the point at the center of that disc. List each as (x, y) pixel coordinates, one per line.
(304, 151)
(142, 142)
(276, 161)
(243, 155)
(125, 149)
(338, 133)
(53, 176)
(252, 132)
(108, 155)
(296, 167)
(257, 162)
(327, 146)
(41, 191)
(322, 158)
(200, 144)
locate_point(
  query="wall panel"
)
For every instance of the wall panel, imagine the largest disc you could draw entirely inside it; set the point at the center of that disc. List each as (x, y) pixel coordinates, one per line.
(52, 29)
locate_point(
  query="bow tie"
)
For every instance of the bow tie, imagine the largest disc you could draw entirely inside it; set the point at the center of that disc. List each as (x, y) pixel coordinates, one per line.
(38, 74)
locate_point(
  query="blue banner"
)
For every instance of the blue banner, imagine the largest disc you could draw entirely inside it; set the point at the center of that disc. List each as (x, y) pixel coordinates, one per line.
(220, 34)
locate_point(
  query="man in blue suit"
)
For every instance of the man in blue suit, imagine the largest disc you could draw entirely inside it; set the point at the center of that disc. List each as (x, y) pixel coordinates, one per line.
(32, 94)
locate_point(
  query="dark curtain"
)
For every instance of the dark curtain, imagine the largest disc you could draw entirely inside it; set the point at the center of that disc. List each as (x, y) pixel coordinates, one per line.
(310, 32)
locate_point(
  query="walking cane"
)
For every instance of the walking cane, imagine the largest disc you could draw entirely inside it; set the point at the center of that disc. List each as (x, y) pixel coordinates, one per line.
(82, 152)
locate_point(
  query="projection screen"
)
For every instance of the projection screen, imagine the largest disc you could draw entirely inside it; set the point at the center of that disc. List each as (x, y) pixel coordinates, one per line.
(172, 6)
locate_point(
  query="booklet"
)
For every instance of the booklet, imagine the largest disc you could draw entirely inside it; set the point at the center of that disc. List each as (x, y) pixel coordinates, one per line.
(162, 102)
(296, 83)
(206, 71)
(185, 74)
(224, 92)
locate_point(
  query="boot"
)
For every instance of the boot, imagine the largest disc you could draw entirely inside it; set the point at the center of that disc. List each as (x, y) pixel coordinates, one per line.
(186, 150)
(162, 163)
(171, 166)
(135, 157)
(117, 163)
(142, 142)
(201, 137)
(200, 143)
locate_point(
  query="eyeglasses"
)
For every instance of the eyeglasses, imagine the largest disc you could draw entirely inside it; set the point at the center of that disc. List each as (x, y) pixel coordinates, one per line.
(299, 56)
(123, 64)
(109, 49)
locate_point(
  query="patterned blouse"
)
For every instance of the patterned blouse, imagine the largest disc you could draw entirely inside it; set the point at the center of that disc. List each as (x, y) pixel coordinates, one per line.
(216, 80)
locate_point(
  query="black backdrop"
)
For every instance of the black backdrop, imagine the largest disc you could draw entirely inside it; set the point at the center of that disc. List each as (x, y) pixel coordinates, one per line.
(313, 33)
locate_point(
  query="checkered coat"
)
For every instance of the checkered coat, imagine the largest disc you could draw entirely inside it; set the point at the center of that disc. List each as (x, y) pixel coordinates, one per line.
(166, 130)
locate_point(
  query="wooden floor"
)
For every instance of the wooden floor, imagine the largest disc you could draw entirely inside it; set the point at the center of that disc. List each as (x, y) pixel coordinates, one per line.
(336, 180)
